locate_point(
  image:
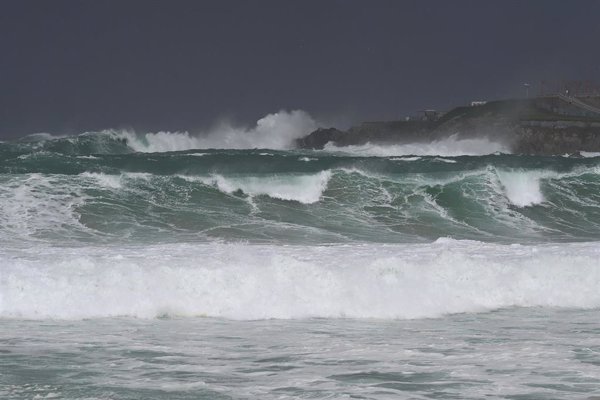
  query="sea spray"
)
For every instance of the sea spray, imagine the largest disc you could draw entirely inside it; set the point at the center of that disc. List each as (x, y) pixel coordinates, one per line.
(274, 131)
(449, 146)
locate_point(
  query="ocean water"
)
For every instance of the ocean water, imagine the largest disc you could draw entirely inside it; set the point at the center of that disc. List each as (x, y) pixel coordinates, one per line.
(168, 266)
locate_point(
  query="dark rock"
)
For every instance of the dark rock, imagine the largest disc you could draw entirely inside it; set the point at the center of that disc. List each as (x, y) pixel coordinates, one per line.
(319, 138)
(545, 125)
(557, 139)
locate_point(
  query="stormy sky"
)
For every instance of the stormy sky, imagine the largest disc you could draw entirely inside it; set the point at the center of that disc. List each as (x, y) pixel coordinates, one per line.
(73, 66)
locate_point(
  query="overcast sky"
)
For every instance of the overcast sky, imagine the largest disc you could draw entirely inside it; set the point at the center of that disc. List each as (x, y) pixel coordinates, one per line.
(75, 66)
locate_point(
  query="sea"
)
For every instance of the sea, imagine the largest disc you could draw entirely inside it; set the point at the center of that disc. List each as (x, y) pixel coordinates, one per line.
(231, 266)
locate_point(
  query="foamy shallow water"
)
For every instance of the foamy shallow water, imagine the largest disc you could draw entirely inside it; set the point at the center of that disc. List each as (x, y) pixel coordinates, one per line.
(523, 353)
(450, 319)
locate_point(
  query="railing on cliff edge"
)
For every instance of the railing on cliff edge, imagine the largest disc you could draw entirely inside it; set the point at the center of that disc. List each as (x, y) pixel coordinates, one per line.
(578, 103)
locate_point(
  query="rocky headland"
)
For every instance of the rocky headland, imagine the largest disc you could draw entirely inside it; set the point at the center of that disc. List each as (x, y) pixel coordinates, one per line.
(543, 125)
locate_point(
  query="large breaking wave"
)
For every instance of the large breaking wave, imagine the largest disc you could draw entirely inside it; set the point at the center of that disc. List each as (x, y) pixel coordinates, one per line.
(274, 131)
(256, 282)
(284, 197)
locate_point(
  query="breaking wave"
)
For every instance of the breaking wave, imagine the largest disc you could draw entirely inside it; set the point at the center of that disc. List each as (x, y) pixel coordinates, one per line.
(283, 199)
(274, 131)
(277, 131)
(449, 147)
(306, 189)
(257, 282)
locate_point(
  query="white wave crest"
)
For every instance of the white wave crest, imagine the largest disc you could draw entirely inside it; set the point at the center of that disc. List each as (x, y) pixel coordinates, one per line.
(589, 154)
(104, 180)
(274, 131)
(306, 189)
(451, 146)
(256, 282)
(36, 204)
(112, 182)
(523, 187)
(41, 136)
(406, 158)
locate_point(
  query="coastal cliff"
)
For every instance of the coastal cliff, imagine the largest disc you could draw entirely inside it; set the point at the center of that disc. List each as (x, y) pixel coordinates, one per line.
(543, 125)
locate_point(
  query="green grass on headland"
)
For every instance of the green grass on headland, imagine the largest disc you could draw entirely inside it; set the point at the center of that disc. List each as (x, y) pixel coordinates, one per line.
(515, 109)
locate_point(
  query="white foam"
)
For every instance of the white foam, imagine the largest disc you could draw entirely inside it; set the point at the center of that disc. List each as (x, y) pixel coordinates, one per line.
(406, 158)
(306, 189)
(104, 180)
(41, 136)
(446, 160)
(255, 282)
(274, 131)
(522, 187)
(589, 154)
(36, 203)
(449, 147)
(42, 205)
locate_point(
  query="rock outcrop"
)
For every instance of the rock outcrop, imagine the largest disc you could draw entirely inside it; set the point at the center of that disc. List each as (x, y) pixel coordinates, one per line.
(545, 125)
(559, 137)
(319, 138)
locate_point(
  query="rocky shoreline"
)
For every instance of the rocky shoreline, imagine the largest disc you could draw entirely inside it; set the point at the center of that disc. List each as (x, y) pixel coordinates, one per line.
(542, 126)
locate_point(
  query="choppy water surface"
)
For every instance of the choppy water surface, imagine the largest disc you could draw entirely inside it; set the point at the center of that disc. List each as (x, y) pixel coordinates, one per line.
(95, 188)
(153, 267)
(549, 354)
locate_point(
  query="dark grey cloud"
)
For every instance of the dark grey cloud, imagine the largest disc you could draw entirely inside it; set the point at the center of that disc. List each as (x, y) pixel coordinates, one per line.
(72, 66)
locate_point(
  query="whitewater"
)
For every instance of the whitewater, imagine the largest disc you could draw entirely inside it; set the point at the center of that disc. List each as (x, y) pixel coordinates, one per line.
(228, 264)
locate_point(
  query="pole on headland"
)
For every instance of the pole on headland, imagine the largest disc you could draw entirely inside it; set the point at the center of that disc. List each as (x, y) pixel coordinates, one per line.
(527, 85)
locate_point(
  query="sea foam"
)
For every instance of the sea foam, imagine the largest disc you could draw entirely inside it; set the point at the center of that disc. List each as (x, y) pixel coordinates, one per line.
(36, 203)
(244, 282)
(274, 131)
(522, 188)
(448, 147)
(306, 189)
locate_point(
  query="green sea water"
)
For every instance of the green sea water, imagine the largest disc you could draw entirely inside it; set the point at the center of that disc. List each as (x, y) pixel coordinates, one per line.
(158, 267)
